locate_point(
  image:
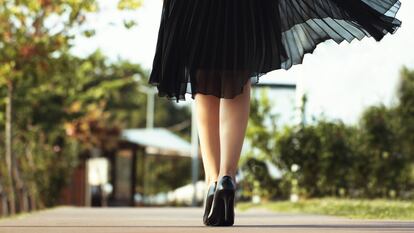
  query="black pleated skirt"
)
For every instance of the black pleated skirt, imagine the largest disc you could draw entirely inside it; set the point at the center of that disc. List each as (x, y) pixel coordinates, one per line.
(215, 47)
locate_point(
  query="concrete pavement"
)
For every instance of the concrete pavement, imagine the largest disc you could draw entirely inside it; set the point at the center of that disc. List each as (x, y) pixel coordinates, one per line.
(182, 220)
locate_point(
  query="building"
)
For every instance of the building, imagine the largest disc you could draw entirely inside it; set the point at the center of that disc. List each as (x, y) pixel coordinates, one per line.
(107, 178)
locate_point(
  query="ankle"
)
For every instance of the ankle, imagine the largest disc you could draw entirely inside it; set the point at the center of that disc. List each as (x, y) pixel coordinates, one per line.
(231, 174)
(211, 180)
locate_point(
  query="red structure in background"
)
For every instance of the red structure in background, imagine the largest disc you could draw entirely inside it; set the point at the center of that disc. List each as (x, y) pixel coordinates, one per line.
(75, 193)
(122, 170)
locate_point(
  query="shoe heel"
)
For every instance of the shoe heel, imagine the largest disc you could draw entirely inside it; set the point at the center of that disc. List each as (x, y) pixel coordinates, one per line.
(226, 209)
(222, 213)
(228, 199)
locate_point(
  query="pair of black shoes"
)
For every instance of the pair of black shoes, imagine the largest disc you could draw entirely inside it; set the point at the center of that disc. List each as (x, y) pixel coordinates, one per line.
(219, 204)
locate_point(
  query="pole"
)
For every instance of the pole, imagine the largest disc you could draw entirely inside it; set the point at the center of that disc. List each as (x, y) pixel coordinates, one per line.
(194, 152)
(150, 110)
(150, 105)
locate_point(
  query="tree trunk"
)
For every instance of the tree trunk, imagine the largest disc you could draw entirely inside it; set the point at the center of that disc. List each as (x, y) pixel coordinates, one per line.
(9, 153)
(3, 203)
(17, 182)
(31, 184)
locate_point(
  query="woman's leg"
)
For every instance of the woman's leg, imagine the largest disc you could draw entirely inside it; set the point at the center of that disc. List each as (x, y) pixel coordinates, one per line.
(234, 115)
(207, 111)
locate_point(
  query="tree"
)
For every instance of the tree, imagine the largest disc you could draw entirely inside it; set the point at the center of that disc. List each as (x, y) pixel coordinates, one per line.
(26, 40)
(261, 134)
(32, 34)
(405, 111)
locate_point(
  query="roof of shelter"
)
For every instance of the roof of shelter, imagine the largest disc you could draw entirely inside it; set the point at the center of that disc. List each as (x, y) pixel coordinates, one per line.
(158, 141)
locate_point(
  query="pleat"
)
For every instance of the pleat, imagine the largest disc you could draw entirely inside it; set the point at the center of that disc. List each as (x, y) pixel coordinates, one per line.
(215, 47)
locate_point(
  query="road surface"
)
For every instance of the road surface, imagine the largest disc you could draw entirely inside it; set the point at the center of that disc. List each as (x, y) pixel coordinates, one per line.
(181, 220)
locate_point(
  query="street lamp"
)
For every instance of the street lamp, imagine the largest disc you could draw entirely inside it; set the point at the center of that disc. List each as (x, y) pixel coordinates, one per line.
(150, 104)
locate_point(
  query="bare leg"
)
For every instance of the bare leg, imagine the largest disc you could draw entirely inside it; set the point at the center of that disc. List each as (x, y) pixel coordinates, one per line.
(234, 115)
(207, 107)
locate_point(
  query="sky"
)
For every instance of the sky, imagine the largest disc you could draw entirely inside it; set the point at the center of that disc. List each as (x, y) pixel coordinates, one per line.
(340, 80)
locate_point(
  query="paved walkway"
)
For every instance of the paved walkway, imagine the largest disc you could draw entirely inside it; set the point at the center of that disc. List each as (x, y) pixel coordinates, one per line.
(182, 220)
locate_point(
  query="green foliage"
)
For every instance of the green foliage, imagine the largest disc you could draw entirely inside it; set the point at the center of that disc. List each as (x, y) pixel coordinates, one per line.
(373, 159)
(29, 42)
(262, 135)
(405, 111)
(323, 155)
(386, 164)
(79, 91)
(159, 177)
(350, 208)
(64, 104)
(46, 161)
(129, 4)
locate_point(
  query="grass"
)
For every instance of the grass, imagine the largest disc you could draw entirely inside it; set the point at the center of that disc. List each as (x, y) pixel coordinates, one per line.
(351, 208)
(27, 214)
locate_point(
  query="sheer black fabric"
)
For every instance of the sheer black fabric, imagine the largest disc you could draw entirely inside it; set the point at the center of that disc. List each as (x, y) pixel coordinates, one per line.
(215, 47)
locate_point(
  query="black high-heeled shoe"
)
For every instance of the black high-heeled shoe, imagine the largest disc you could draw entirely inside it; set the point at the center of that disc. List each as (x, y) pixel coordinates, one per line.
(208, 201)
(222, 210)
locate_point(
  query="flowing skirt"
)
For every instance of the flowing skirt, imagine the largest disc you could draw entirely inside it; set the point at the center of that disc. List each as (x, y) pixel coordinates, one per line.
(215, 47)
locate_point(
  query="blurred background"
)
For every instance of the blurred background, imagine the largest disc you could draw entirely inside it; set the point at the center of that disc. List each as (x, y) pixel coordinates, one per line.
(80, 126)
